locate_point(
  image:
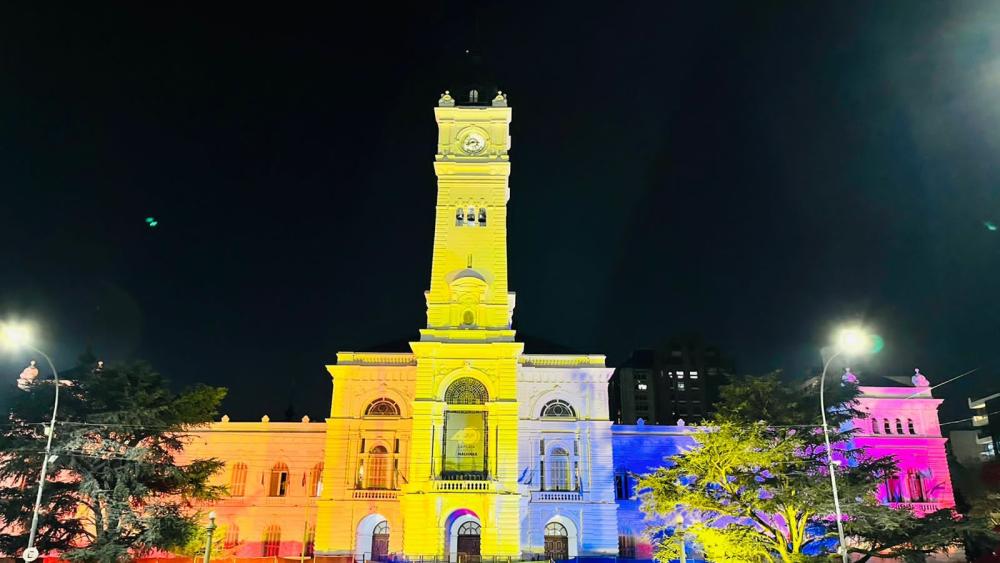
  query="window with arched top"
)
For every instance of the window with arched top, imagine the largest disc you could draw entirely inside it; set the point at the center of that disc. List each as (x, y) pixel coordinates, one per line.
(885, 426)
(272, 540)
(382, 407)
(910, 427)
(470, 529)
(278, 484)
(466, 391)
(555, 529)
(559, 478)
(468, 318)
(238, 480)
(316, 480)
(899, 426)
(377, 476)
(875, 424)
(382, 528)
(558, 409)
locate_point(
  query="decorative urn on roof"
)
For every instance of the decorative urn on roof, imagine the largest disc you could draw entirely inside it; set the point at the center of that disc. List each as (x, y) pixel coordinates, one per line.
(849, 377)
(919, 380)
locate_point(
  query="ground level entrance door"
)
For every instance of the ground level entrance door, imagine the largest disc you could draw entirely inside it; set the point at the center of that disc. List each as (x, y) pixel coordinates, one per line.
(380, 542)
(468, 543)
(556, 541)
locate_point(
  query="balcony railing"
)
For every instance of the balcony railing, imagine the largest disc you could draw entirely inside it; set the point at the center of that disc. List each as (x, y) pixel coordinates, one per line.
(461, 486)
(918, 507)
(556, 496)
(375, 494)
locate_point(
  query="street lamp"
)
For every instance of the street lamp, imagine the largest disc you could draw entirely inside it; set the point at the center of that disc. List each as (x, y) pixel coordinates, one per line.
(19, 336)
(850, 341)
(679, 532)
(210, 531)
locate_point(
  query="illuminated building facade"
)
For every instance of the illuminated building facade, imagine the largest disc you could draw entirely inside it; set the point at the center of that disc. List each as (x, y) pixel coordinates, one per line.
(466, 446)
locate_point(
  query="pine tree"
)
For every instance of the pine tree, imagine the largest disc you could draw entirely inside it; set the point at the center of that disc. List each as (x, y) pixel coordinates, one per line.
(757, 487)
(115, 489)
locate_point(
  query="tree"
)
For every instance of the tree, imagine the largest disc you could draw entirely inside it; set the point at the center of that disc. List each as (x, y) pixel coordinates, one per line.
(758, 484)
(195, 546)
(114, 489)
(880, 531)
(752, 490)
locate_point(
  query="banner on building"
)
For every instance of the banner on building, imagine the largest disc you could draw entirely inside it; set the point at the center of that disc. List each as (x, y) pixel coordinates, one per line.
(465, 442)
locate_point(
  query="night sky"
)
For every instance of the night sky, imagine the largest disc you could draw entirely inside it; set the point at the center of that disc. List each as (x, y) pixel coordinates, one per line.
(752, 172)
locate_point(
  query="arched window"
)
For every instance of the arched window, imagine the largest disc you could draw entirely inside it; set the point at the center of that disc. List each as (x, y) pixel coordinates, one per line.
(558, 409)
(470, 529)
(278, 485)
(232, 536)
(909, 426)
(482, 216)
(316, 480)
(466, 391)
(460, 216)
(899, 426)
(378, 468)
(238, 480)
(382, 407)
(272, 540)
(915, 484)
(885, 426)
(468, 318)
(471, 215)
(875, 423)
(559, 470)
(555, 529)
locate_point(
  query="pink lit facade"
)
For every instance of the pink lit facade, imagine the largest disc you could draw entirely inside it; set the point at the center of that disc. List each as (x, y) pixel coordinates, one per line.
(903, 422)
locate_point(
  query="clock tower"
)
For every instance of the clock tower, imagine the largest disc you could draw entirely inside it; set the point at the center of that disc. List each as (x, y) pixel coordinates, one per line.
(464, 499)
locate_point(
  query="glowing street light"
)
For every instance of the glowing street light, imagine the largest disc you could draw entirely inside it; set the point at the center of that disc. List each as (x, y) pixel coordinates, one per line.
(16, 336)
(850, 341)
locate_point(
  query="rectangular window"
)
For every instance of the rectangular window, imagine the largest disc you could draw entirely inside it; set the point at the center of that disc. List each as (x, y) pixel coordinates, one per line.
(680, 385)
(362, 446)
(626, 547)
(396, 448)
(279, 484)
(621, 486)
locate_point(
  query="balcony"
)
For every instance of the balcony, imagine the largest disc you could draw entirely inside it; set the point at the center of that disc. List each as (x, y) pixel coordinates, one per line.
(375, 494)
(463, 486)
(919, 508)
(556, 496)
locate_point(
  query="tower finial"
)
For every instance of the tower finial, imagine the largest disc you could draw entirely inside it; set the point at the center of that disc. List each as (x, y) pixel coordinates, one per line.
(500, 100)
(446, 99)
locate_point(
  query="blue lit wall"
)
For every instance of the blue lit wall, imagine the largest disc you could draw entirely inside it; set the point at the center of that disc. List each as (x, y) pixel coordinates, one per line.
(639, 449)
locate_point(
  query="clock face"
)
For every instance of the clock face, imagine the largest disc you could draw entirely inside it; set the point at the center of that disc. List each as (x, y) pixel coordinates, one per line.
(474, 143)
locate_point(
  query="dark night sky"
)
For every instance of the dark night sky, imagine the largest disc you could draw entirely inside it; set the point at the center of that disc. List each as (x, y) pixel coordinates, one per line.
(753, 173)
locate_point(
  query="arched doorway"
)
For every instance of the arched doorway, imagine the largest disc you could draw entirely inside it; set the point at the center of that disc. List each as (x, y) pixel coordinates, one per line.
(380, 541)
(469, 534)
(556, 541)
(372, 529)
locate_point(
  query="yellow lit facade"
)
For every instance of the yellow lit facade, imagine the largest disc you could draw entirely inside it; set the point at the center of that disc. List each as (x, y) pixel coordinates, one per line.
(438, 466)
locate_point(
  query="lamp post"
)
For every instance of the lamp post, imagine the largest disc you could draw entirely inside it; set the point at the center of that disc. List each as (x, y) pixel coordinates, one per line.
(210, 531)
(679, 532)
(20, 336)
(849, 341)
